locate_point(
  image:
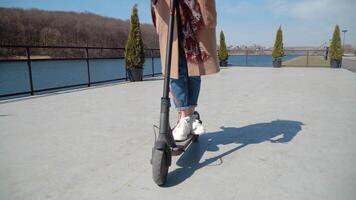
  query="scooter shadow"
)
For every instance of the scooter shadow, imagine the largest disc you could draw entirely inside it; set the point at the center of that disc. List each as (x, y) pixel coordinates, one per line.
(278, 131)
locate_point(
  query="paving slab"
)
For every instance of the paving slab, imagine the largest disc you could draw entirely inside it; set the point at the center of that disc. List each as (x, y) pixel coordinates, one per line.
(286, 133)
(349, 63)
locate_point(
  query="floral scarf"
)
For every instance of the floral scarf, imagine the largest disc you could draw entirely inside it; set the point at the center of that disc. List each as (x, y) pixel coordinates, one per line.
(192, 21)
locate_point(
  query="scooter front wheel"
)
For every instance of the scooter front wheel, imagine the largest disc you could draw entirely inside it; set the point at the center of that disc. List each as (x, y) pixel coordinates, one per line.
(159, 166)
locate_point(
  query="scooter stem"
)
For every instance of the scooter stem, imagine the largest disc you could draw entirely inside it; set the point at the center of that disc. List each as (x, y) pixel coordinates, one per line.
(165, 137)
(172, 12)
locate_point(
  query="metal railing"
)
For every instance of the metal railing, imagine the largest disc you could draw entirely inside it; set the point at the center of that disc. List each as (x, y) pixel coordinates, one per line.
(29, 59)
(292, 58)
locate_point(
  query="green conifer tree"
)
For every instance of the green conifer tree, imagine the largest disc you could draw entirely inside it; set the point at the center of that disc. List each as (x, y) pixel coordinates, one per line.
(222, 53)
(134, 50)
(278, 51)
(335, 49)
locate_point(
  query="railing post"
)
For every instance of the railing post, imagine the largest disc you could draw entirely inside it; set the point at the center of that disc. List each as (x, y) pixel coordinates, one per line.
(153, 63)
(126, 77)
(246, 60)
(126, 72)
(29, 69)
(88, 65)
(307, 58)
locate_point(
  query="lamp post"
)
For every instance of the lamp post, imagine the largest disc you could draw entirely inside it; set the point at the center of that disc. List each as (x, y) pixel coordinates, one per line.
(343, 44)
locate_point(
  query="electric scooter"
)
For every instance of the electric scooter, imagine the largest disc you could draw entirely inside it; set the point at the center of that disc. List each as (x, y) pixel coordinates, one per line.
(165, 146)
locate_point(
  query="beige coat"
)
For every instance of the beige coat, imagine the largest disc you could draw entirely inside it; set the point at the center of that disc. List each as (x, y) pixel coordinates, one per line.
(206, 37)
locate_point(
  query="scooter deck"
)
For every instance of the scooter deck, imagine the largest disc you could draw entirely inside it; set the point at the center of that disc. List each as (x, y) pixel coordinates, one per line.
(182, 145)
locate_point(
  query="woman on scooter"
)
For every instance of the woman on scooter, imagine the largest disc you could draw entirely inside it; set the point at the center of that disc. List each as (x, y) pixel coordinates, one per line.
(194, 54)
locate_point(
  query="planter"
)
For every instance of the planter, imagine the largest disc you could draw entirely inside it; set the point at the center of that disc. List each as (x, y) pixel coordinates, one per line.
(223, 63)
(335, 63)
(277, 63)
(135, 74)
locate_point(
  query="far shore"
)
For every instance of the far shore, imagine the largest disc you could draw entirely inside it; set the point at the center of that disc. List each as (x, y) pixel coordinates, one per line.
(310, 61)
(24, 57)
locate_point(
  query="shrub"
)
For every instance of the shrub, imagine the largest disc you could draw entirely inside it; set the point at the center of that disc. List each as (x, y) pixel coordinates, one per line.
(335, 50)
(278, 51)
(222, 53)
(134, 50)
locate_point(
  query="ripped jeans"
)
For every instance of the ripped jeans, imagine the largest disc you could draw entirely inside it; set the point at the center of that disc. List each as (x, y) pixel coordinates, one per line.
(185, 90)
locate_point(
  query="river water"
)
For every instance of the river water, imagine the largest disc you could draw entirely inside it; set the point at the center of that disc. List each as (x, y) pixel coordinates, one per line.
(14, 76)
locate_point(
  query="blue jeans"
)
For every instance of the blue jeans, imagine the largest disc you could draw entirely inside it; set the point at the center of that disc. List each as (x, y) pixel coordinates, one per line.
(185, 90)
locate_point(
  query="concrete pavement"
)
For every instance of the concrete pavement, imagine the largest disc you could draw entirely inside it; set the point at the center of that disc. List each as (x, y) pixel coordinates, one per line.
(286, 133)
(349, 63)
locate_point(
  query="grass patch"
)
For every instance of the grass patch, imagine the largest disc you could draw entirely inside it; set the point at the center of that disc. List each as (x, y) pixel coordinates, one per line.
(301, 61)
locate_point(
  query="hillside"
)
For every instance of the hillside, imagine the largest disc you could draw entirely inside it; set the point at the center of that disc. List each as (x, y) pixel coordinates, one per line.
(39, 27)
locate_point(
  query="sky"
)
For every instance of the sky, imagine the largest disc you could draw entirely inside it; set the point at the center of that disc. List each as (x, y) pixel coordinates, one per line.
(244, 22)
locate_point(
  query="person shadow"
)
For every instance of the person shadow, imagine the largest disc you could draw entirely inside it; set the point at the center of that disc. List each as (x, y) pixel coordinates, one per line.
(277, 131)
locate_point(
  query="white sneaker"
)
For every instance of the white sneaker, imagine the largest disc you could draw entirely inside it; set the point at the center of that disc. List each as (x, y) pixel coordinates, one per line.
(197, 126)
(183, 129)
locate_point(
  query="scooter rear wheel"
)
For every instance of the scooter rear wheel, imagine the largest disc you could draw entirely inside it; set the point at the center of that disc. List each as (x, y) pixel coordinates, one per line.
(159, 166)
